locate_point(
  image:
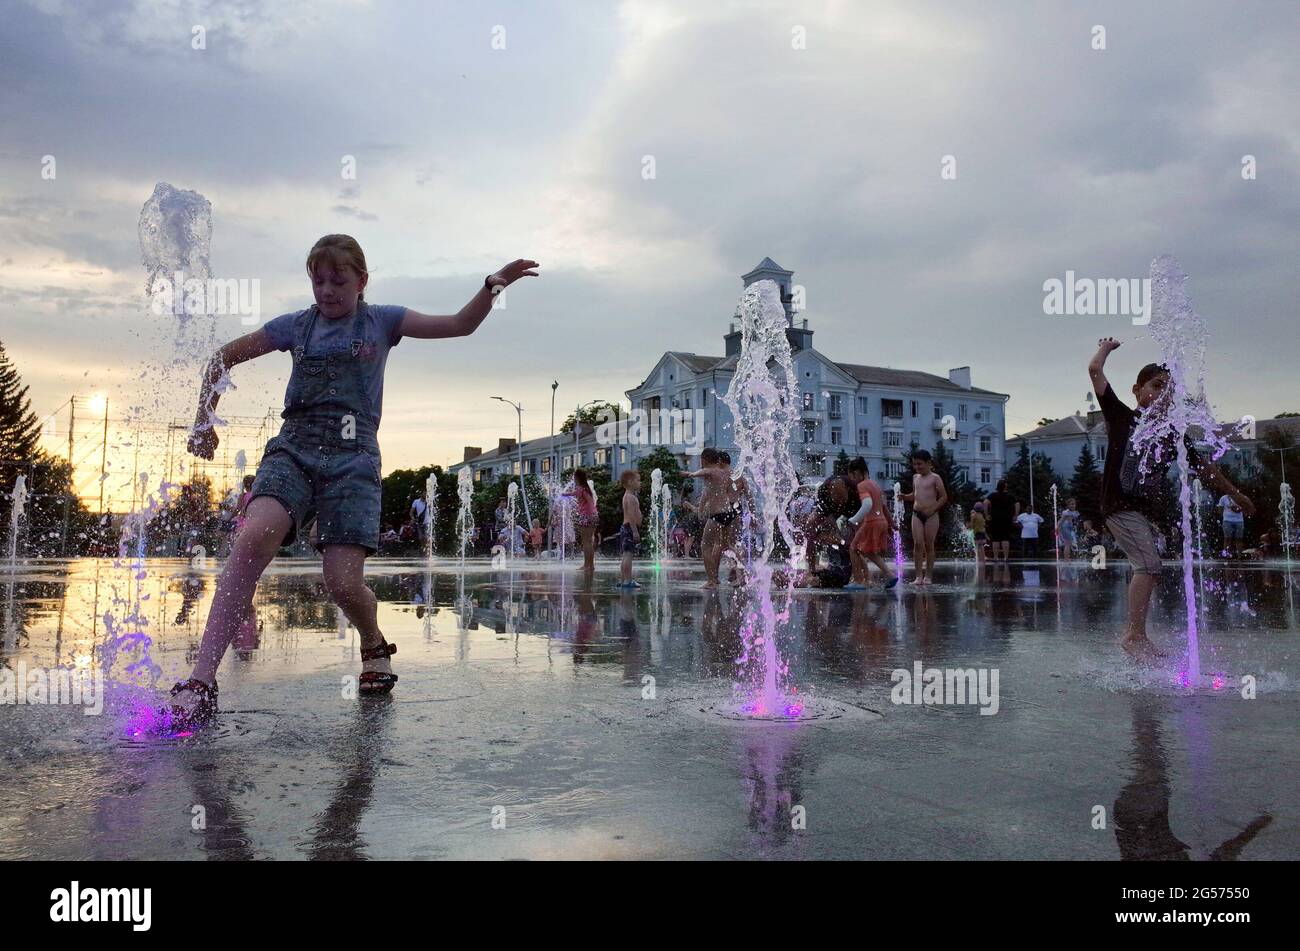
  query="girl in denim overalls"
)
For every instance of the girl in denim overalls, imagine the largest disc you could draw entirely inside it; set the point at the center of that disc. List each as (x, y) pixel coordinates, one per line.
(325, 461)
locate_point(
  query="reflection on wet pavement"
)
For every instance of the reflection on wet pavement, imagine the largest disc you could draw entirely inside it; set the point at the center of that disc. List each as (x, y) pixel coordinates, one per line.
(537, 717)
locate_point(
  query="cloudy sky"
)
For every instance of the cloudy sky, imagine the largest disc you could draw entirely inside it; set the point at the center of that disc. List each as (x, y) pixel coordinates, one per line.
(814, 133)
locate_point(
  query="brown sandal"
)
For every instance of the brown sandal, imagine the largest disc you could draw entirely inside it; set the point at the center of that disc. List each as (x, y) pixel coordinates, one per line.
(373, 681)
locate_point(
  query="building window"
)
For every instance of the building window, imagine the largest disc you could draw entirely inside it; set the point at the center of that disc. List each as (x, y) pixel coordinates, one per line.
(864, 438)
(864, 405)
(916, 438)
(986, 444)
(938, 411)
(546, 464)
(893, 440)
(809, 430)
(808, 401)
(982, 415)
(837, 436)
(686, 400)
(891, 408)
(986, 475)
(961, 412)
(915, 408)
(893, 469)
(834, 406)
(1101, 453)
(704, 398)
(965, 444)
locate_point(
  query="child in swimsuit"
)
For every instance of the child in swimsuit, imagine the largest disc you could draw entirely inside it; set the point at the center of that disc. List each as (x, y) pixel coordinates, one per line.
(587, 517)
(871, 539)
(715, 501)
(977, 526)
(325, 461)
(928, 497)
(629, 534)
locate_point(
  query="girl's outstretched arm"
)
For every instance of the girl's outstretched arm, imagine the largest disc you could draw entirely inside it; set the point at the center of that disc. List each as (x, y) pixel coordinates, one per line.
(466, 320)
(203, 438)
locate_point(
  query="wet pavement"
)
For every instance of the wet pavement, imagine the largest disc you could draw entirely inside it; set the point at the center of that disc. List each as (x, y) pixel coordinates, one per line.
(538, 718)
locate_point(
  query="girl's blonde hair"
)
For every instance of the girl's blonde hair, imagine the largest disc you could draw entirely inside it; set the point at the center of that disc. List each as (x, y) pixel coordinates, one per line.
(339, 251)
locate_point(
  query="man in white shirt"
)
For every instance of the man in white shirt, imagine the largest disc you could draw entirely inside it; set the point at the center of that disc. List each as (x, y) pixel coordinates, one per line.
(1029, 521)
(1234, 526)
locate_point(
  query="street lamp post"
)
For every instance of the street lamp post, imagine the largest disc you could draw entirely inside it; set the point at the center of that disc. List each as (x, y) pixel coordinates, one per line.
(555, 385)
(519, 446)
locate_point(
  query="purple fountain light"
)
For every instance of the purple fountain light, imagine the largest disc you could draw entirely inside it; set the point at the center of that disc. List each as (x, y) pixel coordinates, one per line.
(763, 399)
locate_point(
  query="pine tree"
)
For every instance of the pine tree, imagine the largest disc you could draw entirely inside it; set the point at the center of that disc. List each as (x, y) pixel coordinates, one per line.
(1085, 484)
(19, 430)
(1044, 478)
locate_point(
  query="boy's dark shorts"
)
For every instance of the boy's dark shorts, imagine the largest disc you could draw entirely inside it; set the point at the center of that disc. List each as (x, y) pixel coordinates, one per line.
(627, 544)
(338, 485)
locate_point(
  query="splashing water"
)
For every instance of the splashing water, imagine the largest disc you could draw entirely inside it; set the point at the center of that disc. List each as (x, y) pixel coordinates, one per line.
(1197, 523)
(125, 623)
(763, 399)
(430, 514)
(18, 501)
(657, 514)
(1285, 520)
(898, 529)
(666, 510)
(1056, 522)
(963, 539)
(465, 517)
(1166, 426)
(512, 507)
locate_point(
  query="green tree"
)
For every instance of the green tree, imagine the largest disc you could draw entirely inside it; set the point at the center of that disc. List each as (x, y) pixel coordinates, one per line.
(1085, 485)
(1044, 478)
(188, 518)
(52, 510)
(593, 415)
(841, 465)
(19, 429)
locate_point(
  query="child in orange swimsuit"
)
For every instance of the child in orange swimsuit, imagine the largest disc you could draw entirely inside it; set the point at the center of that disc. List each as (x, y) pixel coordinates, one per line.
(871, 539)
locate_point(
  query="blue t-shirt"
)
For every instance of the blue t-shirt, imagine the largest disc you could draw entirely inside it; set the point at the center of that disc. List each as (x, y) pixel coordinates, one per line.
(380, 330)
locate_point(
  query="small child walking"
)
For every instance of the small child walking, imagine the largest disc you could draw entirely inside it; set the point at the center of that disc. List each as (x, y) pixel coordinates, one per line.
(325, 461)
(629, 533)
(871, 540)
(1131, 503)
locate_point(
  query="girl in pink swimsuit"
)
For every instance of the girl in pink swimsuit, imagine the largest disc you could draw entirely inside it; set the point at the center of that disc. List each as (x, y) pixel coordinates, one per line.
(588, 518)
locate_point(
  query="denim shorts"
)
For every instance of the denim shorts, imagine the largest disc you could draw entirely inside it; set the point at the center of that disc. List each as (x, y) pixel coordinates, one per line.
(337, 483)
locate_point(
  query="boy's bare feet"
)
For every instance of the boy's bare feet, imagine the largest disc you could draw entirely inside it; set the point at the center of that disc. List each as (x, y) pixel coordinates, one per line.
(1142, 650)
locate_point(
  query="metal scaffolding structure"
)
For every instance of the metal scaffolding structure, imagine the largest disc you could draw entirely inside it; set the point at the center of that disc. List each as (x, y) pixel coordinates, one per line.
(108, 453)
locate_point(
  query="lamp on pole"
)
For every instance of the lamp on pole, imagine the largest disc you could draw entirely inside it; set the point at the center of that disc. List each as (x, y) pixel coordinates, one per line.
(519, 445)
(555, 385)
